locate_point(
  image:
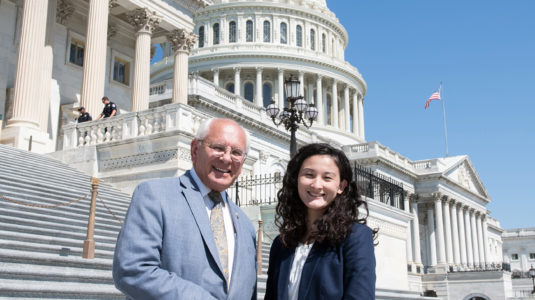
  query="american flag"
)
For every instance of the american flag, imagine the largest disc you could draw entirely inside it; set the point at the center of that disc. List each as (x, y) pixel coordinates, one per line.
(434, 96)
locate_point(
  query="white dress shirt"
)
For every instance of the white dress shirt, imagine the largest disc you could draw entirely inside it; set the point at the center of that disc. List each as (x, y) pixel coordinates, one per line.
(300, 257)
(229, 227)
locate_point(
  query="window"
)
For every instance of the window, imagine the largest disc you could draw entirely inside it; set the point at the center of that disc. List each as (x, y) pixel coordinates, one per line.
(249, 31)
(201, 36)
(514, 256)
(299, 36)
(248, 91)
(323, 43)
(532, 256)
(230, 87)
(312, 39)
(266, 94)
(232, 32)
(216, 33)
(76, 54)
(267, 32)
(121, 70)
(284, 33)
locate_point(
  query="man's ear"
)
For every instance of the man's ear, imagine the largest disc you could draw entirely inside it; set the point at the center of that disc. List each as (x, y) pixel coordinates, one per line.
(342, 187)
(193, 149)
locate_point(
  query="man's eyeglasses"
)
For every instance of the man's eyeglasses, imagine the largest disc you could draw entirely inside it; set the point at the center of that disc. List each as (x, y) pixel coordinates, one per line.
(237, 155)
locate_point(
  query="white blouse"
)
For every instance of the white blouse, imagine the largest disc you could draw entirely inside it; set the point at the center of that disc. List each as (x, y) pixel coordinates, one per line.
(301, 254)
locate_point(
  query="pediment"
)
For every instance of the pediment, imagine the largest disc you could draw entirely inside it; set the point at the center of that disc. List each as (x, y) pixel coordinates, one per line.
(464, 173)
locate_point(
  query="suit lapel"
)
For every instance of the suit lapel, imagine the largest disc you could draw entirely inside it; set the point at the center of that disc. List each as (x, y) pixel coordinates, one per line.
(237, 241)
(198, 209)
(287, 258)
(308, 269)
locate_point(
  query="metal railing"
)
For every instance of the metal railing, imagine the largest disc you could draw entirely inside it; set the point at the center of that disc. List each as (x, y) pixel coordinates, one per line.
(262, 189)
(379, 187)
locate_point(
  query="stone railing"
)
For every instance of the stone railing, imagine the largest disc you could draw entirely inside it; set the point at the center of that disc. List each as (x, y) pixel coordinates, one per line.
(169, 117)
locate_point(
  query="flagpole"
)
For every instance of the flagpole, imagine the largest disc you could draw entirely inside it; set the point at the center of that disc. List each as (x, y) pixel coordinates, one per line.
(444, 117)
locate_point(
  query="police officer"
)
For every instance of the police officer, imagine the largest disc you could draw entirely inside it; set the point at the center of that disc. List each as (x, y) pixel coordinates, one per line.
(110, 109)
(84, 116)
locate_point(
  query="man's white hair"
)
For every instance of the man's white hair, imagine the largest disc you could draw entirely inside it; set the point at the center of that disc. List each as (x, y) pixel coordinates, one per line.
(204, 129)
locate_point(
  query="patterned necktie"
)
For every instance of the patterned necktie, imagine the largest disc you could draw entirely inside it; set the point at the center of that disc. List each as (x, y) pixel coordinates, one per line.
(218, 228)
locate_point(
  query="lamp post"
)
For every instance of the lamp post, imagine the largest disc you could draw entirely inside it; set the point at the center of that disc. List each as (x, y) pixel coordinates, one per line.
(298, 112)
(532, 275)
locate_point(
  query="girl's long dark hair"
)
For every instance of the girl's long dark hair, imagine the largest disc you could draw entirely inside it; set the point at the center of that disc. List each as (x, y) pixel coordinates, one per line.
(338, 219)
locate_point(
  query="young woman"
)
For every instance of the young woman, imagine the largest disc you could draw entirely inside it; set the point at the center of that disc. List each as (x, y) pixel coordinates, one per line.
(324, 250)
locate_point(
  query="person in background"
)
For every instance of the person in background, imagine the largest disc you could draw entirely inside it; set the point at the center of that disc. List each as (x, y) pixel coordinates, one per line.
(324, 250)
(110, 109)
(183, 237)
(84, 116)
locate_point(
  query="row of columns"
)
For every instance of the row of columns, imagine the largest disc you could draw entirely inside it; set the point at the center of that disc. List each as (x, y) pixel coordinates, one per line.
(30, 61)
(345, 124)
(457, 234)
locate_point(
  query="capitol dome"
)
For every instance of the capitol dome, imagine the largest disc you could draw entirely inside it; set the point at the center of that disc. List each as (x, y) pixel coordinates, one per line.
(251, 47)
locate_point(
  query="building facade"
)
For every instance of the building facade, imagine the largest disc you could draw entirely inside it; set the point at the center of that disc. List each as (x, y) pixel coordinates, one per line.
(227, 58)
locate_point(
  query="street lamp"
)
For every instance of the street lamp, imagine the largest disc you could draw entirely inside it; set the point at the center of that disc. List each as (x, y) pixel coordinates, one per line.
(299, 111)
(531, 273)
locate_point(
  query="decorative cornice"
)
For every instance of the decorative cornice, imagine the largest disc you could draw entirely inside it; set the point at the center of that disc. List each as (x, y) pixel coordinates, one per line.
(143, 20)
(181, 40)
(141, 159)
(64, 11)
(112, 31)
(113, 4)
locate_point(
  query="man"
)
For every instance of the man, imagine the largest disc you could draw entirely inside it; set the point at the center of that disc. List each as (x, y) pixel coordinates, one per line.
(110, 109)
(84, 116)
(183, 238)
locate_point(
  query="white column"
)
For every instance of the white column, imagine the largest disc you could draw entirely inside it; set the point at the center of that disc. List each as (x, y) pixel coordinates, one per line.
(335, 104)
(432, 239)
(346, 109)
(440, 231)
(144, 21)
(469, 251)
(281, 89)
(480, 241)
(181, 42)
(319, 100)
(46, 62)
(455, 238)
(462, 236)
(474, 237)
(216, 76)
(94, 70)
(237, 83)
(447, 231)
(258, 99)
(302, 83)
(486, 241)
(355, 114)
(361, 117)
(416, 234)
(409, 234)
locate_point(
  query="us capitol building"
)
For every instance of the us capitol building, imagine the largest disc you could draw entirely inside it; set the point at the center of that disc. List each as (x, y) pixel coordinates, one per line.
(230, 58)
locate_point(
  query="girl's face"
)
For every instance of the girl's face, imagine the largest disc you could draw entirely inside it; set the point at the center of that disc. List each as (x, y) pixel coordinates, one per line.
(318, 183)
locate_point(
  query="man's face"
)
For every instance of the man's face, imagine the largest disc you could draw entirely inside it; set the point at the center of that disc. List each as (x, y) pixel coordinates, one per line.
(105, 101)
(216, 171)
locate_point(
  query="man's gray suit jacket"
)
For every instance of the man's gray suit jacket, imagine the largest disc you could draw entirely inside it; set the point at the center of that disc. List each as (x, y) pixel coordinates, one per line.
(166, 248)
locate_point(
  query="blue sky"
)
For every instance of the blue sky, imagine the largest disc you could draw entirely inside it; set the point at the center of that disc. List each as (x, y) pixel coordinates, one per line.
(484, 53)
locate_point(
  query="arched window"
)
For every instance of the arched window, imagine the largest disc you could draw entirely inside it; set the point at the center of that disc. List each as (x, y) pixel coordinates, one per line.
(249, 31)
(201, 36)
(312, 39)
(248, 91)
(230, 87)
(284, 33)
(299, 36)
(266, 94)
(267, 32)
(215, 29)
(323, 43)
(232, 32)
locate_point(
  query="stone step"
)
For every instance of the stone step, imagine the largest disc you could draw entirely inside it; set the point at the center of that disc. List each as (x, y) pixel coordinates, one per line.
(48, 259)
(53, 273)
(61, 249)
(26, 217)
(53, 290)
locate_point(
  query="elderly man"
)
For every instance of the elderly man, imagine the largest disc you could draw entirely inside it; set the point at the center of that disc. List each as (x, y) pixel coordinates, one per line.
(183, 238)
